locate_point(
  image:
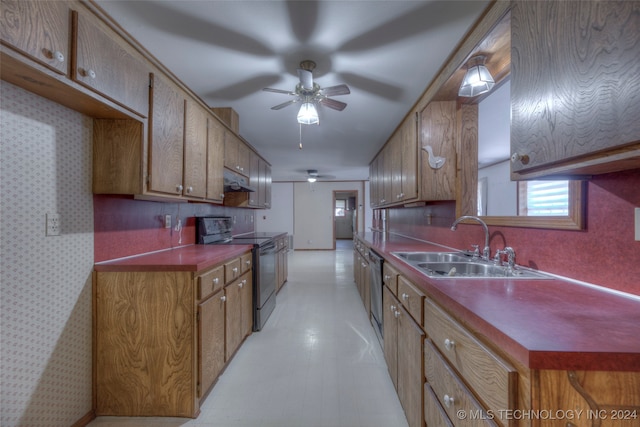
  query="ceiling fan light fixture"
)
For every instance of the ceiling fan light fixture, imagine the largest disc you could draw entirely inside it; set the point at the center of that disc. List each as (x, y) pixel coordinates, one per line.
(477, 80)
(312, 179)
(308, 115)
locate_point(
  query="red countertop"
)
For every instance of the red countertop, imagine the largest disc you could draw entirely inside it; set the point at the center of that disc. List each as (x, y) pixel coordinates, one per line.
(185, 258)
(543, 324)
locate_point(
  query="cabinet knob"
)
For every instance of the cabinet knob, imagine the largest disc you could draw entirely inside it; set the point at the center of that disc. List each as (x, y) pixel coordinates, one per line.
(215, 280)
(248, 262)
(58, 56)
(222, 195)
(179, 188)
(448, 401)
(405, 297)
(520, 158)
(88, 73)
(449, 344)
(386, 277)
(396, 313)
(223, 298)
(393, 308)
(364, 265)
(234, 269)
(189, 189)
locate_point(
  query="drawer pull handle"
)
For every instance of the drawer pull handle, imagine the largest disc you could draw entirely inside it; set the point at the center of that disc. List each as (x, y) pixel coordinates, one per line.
(448, 401)
(215, 280)
(405, 297)
(223, 298)
(235, 269)
(396, 313)
(449, 344)
(393, 308)
(386, 277)
(248, 262)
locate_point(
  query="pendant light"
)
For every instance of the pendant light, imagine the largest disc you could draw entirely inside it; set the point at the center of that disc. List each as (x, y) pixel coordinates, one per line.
(308, 115)
(477, 80)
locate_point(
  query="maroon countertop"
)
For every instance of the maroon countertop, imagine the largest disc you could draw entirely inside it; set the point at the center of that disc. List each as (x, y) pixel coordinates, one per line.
(544, 324)
(185, 258)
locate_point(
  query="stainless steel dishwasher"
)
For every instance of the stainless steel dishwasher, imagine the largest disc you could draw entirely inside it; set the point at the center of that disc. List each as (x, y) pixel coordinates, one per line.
(375, 262)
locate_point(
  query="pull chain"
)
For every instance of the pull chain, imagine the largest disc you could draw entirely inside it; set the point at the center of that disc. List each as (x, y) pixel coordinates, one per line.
(300, 144)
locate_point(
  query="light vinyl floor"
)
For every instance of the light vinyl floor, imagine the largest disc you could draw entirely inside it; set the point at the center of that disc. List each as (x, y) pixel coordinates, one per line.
(316, 363)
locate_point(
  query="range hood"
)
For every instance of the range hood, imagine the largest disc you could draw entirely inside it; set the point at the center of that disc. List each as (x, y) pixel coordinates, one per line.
(235, 183)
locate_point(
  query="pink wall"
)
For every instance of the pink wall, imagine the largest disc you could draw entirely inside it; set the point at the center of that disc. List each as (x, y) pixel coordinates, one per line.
(605, 253)
(124, 226)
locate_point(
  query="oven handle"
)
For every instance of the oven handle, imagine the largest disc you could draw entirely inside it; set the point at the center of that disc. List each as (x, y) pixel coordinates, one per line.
(268, 247)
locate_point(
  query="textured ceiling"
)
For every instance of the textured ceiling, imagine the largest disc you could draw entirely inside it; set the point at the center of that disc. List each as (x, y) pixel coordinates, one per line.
(387, 52)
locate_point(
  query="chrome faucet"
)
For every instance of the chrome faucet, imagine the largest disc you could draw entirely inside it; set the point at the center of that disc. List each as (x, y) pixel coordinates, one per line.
(511, 256)
(486, 251)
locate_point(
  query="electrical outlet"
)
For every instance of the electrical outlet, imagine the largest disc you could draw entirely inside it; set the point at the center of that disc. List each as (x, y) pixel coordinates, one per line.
(638, 224)
(53, 224)
(167, 221)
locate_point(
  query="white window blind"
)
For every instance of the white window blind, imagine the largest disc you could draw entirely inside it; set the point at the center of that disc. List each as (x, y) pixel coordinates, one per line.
(543, 198)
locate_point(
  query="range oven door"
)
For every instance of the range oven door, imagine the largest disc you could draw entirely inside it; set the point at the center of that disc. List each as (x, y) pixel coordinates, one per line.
(265, 286)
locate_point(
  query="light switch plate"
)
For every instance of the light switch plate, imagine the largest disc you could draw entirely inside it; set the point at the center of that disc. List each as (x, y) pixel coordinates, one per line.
(638, 224)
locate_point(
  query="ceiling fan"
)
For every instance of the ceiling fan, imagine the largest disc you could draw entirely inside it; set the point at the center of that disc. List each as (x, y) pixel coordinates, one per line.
(313, 176)
(310, 94)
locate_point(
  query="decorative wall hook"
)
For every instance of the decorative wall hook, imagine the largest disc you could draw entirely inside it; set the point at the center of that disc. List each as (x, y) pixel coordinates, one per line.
(436, 162)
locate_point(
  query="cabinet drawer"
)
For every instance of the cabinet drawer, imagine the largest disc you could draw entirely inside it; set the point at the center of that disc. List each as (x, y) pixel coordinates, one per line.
(451, 392)
(411, 299)
(246, 262)
(492, 379)
(231, 270)
(390, 278)
(434, 415)
(210, 282)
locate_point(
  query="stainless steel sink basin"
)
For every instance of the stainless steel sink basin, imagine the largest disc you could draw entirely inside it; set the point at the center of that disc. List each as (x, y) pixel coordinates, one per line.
(457, 264)
(412, 257)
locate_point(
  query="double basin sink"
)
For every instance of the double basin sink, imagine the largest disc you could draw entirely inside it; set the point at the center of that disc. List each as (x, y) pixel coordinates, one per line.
(459, 264)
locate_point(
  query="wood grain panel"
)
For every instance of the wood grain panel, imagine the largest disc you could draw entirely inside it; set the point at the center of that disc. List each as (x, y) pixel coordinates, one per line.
(438, 129)
(390, 333)
(215, 160)
(195, 151)
(233, 320)
(493, 380)
(411, 299)
(575, 74)
(145, 355)
(246, 292)
(467, 164)
(210, 341)
(210, 282)
(410, 368)
(409, 154)
(434, 415)
(119, 72)
(117, 156)
(608, 399)
(38, 29)
(445, 382)
(166, 136)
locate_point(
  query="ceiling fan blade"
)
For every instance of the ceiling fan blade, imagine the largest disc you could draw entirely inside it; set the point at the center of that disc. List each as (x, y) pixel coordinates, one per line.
(284, 104)
(332, 103)
(286, 92)
(336, 90)
(306, 78)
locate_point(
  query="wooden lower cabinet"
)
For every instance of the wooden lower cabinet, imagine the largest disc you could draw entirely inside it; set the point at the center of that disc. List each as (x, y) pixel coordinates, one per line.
(162, 338)
(403, 341)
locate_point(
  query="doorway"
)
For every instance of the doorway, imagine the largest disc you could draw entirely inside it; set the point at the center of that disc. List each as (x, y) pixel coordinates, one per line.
(345, 217)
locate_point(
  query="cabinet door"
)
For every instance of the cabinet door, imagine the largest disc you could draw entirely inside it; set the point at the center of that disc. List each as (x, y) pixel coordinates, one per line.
(409, 155)
(574, 80)
(233, 324)
(230, 151)
(166, 137)
(374, 183)
(195, 151)
(106, 64)
(211, 356)
(410, 368)
(215, 160)
(267, 185)
(244, 156)
(438, 130)
(254, 179)
(246, 291)
(387, 176)
(390, 332)
(262, 183)
(40, 29)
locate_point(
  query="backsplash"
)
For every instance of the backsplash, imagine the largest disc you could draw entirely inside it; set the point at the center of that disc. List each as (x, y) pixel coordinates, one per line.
(605, 253)
(125, 226)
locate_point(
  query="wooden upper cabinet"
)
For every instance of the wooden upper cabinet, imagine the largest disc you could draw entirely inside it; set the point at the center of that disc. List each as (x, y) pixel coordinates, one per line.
(166, 137)
(438, 130)
(39, 29)
(267, 185)
(254, 179)
(195, 151)
(215, 160)
(409, 154)
(236, 154)
(109, 66)
(574, 87)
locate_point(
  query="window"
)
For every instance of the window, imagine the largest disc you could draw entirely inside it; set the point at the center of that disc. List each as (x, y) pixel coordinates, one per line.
(341, 206)
(543, 198)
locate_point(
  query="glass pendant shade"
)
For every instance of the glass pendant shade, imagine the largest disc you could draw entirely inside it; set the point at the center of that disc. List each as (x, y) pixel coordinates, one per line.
(311, 179)
(308, 115)
(477, 81)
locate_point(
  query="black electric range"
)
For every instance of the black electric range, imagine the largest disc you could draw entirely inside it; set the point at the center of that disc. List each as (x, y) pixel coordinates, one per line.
(219, 231)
